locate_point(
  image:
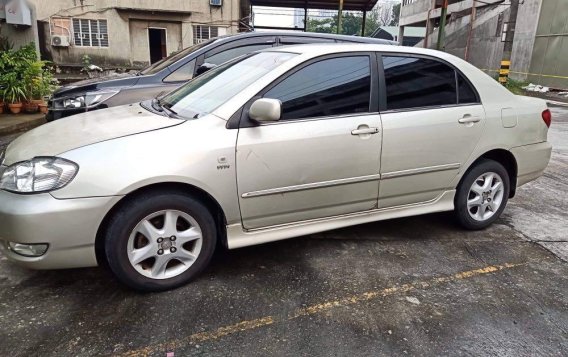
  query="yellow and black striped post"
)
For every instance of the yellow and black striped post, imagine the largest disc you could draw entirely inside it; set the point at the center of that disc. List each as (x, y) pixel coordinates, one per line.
(504, 72)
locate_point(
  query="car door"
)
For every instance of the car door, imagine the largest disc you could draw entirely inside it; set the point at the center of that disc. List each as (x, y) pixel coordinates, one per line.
(322, 158)
(432, 120)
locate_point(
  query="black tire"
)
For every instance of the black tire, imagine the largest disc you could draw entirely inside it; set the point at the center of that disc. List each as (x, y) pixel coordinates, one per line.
(124, 221)
(463, 193)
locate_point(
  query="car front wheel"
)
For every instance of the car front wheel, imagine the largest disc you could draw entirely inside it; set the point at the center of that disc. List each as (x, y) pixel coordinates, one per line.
(160, 241)
(482, 195)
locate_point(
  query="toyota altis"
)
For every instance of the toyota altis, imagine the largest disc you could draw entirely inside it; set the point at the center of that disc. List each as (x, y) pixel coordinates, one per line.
(272, 145)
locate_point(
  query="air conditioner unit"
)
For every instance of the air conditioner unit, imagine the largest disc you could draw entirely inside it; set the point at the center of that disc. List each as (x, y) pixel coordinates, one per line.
(60, 41)
(216, 2)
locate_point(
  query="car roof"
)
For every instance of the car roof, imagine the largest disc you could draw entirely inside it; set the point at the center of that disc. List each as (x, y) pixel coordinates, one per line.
(317, 49)
(307, 35)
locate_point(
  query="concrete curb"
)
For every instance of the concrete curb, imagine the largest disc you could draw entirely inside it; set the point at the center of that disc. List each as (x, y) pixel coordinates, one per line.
(27, 125)
(560, 104)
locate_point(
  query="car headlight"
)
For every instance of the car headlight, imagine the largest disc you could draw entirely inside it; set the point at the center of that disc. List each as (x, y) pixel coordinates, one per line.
(41, 174)
(87, 100)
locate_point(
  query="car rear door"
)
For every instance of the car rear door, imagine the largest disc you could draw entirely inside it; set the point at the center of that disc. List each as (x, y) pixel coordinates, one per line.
(323, 157)
(432, 121)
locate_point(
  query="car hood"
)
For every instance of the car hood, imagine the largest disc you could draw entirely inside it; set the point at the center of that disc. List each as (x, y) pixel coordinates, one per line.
(85, 129)
(112, 81)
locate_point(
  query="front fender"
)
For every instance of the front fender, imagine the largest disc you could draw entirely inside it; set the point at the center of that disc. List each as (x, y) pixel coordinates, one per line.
(199, 152)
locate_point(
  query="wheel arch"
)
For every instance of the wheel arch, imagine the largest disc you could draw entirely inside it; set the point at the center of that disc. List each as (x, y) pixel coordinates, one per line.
(505, 158)
(174, 187)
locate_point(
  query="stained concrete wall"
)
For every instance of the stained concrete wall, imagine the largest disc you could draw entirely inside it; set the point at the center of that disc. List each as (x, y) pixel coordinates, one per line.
(127, 22)
(549, 64)
(21, 35)
(486, 48)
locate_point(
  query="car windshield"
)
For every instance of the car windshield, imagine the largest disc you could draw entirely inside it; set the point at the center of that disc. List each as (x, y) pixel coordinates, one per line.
(163, 63)
(205, 93)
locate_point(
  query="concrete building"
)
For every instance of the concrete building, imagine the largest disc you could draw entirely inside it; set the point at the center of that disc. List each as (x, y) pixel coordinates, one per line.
(412, 35)
(129, 33)
(541, 35)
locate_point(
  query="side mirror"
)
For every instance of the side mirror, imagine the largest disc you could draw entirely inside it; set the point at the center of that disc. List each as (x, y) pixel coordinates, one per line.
(265, 109)
(204, 68)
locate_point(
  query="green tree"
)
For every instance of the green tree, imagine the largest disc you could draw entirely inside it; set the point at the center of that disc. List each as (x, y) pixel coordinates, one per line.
(395, 15)
(350, 24)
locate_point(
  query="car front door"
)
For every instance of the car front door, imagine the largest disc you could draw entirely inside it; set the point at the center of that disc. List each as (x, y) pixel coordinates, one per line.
(432, 121)
(322, 158)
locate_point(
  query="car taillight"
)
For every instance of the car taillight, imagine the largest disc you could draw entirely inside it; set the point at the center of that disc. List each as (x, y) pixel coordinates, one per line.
(547, 117)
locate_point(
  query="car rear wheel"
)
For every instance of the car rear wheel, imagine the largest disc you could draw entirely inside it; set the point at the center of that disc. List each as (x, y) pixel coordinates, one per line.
(160, 241)
(482, 195)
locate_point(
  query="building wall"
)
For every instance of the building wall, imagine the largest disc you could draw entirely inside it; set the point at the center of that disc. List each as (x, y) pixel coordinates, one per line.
(127, 22)
(525, 36)
(540, 46)
(549, 58)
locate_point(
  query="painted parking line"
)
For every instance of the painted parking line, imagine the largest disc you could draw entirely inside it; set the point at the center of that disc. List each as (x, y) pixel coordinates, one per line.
(315, 309)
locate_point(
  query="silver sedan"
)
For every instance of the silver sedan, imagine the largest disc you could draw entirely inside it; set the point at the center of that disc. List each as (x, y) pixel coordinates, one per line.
(272, 145)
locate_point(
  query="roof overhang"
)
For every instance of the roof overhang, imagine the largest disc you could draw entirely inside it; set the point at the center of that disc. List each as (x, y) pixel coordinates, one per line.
(351, 5)
(152, 11)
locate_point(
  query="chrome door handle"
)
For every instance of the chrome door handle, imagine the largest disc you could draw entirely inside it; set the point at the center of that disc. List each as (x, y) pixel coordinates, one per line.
(469, 119)
(364, 131)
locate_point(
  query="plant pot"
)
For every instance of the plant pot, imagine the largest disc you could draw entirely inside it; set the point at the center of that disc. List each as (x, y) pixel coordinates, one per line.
(1, 107)
(37, 101)
(15, 108)
(30, 107)
(43, 108)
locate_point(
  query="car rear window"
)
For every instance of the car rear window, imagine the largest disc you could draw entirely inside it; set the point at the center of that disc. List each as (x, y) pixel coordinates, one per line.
(418, 82)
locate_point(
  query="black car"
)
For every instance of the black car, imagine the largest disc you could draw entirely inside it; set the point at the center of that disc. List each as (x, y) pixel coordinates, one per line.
(173, 71)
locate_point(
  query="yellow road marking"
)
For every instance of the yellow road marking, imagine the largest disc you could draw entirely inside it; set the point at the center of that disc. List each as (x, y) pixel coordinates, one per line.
(203, 336)
(314, 309)
(527, 73)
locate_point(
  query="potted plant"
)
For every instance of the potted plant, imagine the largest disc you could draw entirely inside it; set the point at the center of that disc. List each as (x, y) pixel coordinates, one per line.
(13, 92)
(32, 78)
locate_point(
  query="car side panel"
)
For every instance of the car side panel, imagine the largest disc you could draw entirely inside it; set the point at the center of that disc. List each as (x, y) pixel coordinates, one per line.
(423, 150)
(182, 155)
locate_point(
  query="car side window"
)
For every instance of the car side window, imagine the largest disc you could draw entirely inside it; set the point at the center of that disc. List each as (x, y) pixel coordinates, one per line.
(235, 52)
(466, 94)
(183, 73)
(329, 87)
(418, 82)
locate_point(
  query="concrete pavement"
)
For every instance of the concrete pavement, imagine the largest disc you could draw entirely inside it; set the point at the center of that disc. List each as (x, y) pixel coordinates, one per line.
(413, 286)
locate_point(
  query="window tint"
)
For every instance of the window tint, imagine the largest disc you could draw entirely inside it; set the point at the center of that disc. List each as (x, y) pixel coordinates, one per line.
(184, 73)
(235, 52)
(466, 94)
(329, 87)
(418, 82)
(208, 91)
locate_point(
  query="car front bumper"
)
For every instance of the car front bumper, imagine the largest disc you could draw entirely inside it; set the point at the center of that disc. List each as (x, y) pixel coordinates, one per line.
(69, 227)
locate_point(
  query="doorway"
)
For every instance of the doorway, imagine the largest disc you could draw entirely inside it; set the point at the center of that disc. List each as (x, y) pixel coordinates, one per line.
(157, 44)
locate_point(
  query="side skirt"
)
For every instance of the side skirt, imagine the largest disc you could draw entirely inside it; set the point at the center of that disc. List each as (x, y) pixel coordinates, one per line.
(237, 237)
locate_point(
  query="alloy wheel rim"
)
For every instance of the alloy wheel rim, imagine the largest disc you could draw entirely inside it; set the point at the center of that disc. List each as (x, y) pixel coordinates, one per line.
(164, 244)
(485, 196)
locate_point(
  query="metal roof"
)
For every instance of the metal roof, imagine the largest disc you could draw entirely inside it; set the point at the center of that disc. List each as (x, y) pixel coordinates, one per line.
(354, 5)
